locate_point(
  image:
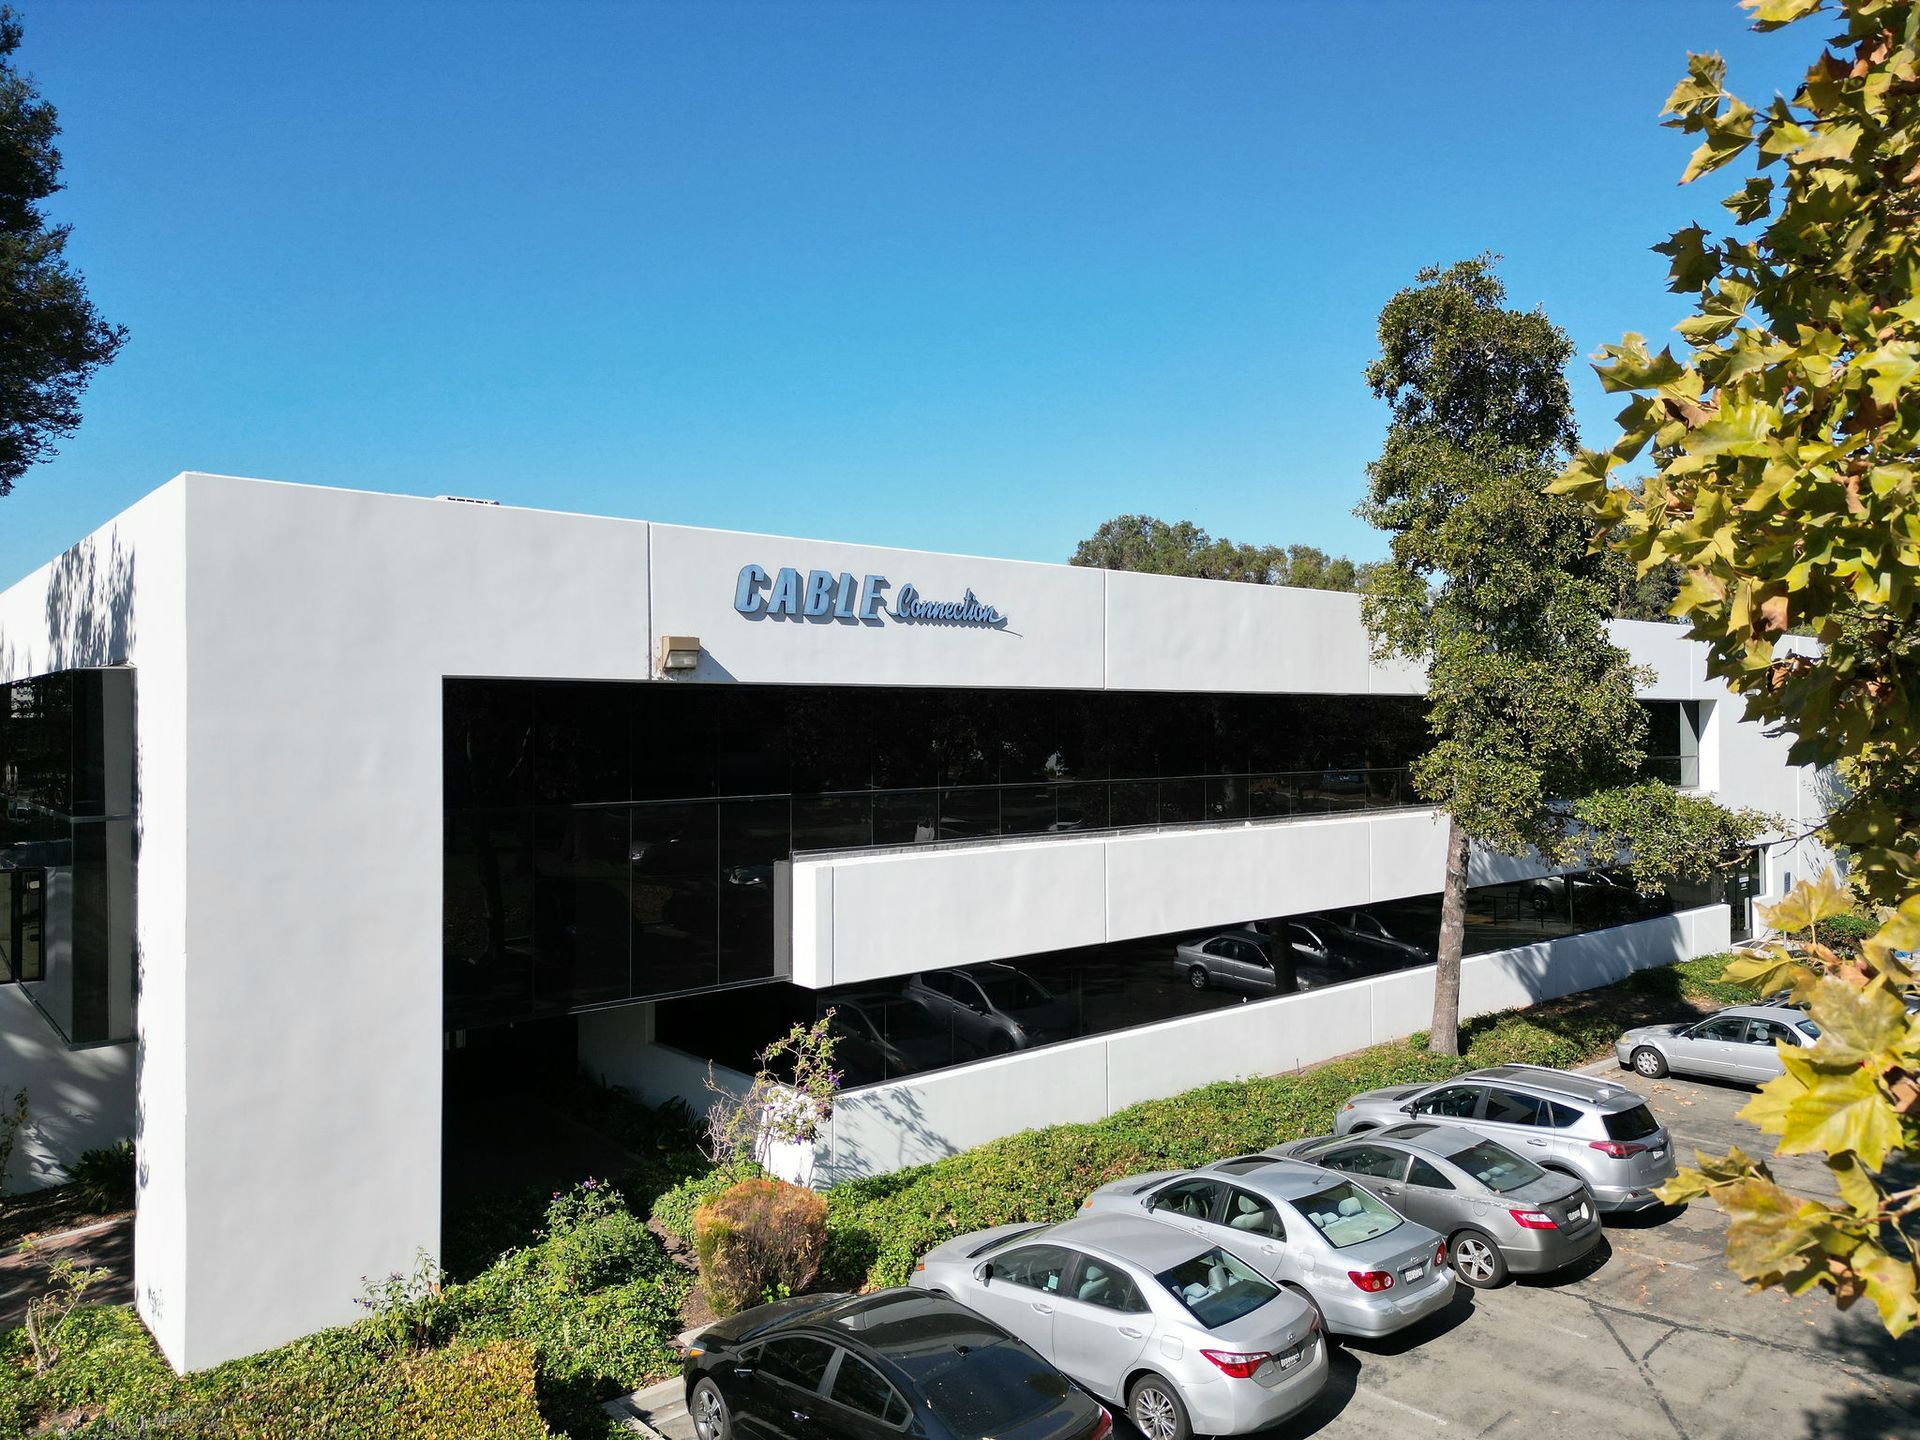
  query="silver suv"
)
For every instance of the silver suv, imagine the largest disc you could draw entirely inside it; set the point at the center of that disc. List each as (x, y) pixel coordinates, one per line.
(1592, 1129)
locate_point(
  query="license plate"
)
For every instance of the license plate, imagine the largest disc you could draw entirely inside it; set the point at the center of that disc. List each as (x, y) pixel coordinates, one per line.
(1660, 1154)
(1414, 1273)
(1581, 1213)
(1291, 1358)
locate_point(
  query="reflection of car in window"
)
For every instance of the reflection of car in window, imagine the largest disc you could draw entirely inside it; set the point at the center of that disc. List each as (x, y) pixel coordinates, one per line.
(994, 1009)
(882, 1036)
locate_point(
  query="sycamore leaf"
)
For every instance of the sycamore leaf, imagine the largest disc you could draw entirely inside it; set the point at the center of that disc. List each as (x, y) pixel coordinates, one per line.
(1765, 971)
(1856, 1185)
(1855, 1022)
(1683, 1187)
(1631, 368)
(1808, 903)
(1900, 934)
(1892, 367)
(1767, 1110)
(1842, 1112)
(1769, 1228)
(1772, 14)
(1893, 1288)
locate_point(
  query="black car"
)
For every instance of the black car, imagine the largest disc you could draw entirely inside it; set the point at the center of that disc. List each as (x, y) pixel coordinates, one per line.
(896, 1362)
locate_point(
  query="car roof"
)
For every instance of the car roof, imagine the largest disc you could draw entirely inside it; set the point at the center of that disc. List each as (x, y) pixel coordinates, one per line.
(1133, 1239)
(915, 1329)
(1237, 932)
(1283, 1178)
(1430, 1136)
(1584, 1089)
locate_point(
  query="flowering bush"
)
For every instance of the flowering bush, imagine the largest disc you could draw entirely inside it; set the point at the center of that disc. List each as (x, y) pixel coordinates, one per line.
(790, 1098)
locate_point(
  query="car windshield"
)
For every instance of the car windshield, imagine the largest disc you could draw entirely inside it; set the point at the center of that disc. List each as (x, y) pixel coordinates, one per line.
(1634, 1124)
(1216, 1288)
(1344, 1214)
(1497, 1167)
(1000, 1242)
(1809, 1029)
(992, 1390)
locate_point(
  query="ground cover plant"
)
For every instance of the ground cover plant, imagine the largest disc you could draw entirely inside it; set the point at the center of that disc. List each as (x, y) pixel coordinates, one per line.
(585, 1301)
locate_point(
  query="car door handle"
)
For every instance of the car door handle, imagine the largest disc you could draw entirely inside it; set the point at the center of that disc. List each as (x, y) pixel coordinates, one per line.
(1389, 1189)
(800, 1415)
(1042, 1307)
(1536, 1142)
(1133, 1334)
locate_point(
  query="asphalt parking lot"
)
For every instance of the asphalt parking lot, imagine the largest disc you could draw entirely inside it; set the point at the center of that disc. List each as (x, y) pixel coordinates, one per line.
(1658, 1340)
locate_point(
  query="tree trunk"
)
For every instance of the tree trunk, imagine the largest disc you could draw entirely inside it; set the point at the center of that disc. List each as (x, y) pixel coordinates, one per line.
(1445, 1036)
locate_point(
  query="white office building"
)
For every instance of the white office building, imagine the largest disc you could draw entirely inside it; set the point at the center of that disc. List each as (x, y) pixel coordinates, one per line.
(319, 800)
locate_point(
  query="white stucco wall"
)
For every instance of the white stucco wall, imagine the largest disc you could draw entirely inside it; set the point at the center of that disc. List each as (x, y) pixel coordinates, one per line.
(76, 1099)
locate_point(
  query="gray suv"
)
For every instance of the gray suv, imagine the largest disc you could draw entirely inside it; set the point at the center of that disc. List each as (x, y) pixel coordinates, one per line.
(1596, 1131)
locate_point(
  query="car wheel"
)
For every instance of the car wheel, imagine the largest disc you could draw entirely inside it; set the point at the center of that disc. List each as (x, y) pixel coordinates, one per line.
(711, 1419)
(1476, 1259)
(1157, 1411)
(1649, 1062)
(1197, 977)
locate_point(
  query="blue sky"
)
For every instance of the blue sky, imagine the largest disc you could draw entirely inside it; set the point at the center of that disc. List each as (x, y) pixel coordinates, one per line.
(967, 276)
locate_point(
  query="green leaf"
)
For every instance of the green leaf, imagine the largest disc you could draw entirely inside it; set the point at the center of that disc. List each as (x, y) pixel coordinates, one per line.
(1772, 14)
(1893, 367)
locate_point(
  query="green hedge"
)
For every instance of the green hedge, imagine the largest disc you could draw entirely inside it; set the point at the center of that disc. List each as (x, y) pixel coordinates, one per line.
(587, 1302)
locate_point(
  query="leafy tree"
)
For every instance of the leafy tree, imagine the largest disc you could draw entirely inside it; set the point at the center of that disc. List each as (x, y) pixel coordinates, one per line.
(1159, 547)
(55, 339)
(1783, 448)
(1492, 582)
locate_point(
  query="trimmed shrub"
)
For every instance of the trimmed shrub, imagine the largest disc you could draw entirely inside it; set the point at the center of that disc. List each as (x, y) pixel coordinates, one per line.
(104, 1177)
(1844, 934)
(758, 1240)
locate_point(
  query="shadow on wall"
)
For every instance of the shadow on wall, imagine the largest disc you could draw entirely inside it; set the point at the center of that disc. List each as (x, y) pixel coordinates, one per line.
(90, 606)
(878, 1131)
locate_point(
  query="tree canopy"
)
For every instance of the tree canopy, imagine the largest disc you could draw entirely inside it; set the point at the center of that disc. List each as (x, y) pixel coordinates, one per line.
(55, 339)
(1491, 581)
(1180, 547)
(1783, 444)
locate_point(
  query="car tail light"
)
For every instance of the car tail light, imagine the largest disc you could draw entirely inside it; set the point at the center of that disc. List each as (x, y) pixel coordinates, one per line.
(1102, 1427)
(1372, 1281)
(1237, 1364)
(1535, 1219)
(1617, 1149)
(1440, 1255)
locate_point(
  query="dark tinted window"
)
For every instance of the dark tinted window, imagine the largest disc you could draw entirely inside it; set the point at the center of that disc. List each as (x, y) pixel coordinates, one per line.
(797, 1360)
(1634, 1124)
(1375, 1161)
(1192, 1199)
(1557, 1115)
(1511, 1107)
(1421, 1173)
(987, 1392)
(1455, 1101)
(858, 1386)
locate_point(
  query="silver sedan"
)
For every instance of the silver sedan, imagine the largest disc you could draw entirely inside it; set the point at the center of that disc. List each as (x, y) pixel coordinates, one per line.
(1501, 1212)
(1180, 1331)
(1364, 1267)
(1740, 1043)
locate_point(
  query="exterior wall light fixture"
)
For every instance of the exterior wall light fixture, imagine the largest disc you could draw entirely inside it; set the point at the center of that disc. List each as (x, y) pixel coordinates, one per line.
(678, 653)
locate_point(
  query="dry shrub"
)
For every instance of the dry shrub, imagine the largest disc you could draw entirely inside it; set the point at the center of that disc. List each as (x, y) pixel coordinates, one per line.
(758, 1240)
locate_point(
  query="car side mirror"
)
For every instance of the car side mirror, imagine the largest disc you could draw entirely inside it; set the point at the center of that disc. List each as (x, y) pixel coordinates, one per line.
(983, 1272)
(1407, 1109)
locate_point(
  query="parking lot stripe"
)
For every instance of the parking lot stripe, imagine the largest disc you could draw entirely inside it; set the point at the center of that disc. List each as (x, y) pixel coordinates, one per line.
(1401, 1405)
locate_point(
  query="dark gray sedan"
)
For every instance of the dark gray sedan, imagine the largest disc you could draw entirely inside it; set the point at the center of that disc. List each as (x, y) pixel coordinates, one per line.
(1500, 1212)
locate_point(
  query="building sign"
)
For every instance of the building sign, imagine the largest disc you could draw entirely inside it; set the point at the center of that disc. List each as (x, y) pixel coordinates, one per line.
(823, 595)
